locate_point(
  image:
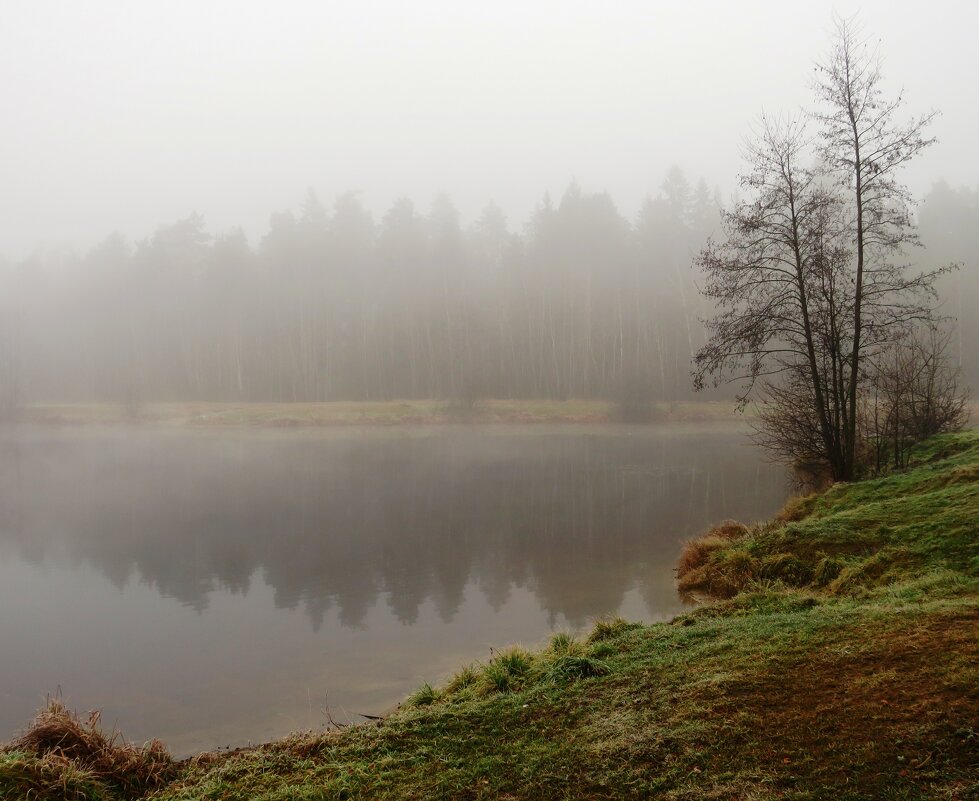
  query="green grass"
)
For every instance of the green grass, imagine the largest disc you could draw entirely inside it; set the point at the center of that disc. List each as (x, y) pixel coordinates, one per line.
(855, 537)
(843, 665)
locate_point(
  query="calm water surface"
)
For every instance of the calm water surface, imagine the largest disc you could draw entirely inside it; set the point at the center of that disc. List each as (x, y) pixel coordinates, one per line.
(216, 588)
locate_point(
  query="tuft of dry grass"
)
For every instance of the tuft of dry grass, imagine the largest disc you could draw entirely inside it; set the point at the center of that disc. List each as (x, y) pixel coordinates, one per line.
(58, 735)
(23, 776)
(695, 554)
(796, 508)
(608, 628)
(872, 571)
(787, 568)
(709, 564)
(729, 530)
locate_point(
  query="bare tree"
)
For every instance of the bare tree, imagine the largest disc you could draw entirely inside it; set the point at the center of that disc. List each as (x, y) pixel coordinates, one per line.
(810, 280)
(864, 145)
(780, 297)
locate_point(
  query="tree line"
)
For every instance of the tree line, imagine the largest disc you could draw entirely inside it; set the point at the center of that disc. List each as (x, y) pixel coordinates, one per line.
(334, 305)
(331, 304)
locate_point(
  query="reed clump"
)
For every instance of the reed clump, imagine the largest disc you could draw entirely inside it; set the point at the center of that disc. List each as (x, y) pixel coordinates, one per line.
(59, 737)
(713, 564)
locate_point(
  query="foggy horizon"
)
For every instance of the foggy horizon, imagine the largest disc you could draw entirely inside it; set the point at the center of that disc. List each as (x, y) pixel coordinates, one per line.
(548, 400)
(131, 118)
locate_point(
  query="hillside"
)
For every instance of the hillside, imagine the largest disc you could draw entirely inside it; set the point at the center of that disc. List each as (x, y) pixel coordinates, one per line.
(839, 659)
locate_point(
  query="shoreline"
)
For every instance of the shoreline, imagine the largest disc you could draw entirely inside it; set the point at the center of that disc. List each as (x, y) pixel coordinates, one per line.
(368, 413)
(837, 660)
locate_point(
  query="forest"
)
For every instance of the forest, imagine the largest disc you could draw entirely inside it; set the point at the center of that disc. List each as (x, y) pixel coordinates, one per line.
(331, 304)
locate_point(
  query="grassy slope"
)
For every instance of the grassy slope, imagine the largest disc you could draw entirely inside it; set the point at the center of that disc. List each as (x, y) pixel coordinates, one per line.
(844, 665)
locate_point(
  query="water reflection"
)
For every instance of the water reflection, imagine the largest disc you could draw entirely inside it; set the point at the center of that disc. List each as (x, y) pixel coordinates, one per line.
(362, 530)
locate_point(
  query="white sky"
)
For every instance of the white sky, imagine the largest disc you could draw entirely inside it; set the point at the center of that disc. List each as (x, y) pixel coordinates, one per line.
(125, 115)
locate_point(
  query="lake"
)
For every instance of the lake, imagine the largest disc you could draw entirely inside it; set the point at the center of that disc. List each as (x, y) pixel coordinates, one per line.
(214, 588)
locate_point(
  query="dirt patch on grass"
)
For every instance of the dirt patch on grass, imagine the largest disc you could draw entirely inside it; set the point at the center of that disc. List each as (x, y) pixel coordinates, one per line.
(897, 710)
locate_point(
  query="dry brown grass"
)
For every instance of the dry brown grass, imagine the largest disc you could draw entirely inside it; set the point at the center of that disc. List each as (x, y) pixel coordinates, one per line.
(696, 552)
(700, 571)
(58, 734)
(797, 508)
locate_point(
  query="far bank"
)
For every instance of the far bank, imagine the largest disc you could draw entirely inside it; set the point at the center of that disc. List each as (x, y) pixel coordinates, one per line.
(380, 413)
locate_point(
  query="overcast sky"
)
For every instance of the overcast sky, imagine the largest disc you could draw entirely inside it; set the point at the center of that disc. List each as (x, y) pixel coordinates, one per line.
(125, 115)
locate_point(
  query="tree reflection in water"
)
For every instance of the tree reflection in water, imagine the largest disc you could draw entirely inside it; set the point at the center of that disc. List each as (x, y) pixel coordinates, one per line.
(341, 518)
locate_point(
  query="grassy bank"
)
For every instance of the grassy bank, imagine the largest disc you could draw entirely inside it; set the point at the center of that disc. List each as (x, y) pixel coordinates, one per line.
(409, 412)
(839, 660)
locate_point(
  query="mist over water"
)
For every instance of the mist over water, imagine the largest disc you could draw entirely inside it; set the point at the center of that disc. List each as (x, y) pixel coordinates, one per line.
(238, 214)
(216, 588)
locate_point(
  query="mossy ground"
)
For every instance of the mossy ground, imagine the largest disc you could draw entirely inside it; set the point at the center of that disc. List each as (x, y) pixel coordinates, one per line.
(844, 665)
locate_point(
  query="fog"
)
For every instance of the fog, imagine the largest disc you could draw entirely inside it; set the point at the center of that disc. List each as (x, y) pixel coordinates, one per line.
(333, 305)
(209, 209)
(124, 116)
